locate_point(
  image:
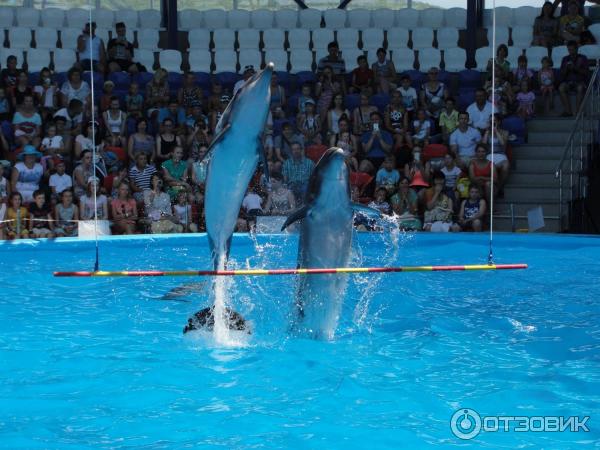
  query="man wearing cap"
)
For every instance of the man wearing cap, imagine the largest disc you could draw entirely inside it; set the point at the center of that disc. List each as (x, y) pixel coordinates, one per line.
(120, 52)
(93, 53)
(248, 72)
(27, 173)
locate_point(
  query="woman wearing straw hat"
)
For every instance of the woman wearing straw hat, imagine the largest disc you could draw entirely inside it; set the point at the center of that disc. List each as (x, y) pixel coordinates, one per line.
(27, 173)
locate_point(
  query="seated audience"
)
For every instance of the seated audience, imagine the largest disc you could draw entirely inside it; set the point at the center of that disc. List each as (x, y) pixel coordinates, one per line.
(574, 75)
(472, 211)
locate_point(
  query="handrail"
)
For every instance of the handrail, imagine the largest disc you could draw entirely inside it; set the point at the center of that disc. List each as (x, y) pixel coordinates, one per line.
(587, 112)
(578, 117)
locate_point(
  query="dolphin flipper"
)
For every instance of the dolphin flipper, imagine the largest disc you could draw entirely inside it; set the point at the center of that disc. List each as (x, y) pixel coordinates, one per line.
(367, 211)
(218, 137)
(296, 215)
(263, 158)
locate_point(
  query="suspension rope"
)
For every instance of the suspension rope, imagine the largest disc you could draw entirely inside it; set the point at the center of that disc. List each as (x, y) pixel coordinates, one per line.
(95, 185)
(493, 134)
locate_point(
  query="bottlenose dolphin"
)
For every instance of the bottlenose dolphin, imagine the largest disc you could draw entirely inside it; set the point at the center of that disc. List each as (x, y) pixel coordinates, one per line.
(234, 155)
(325, 241)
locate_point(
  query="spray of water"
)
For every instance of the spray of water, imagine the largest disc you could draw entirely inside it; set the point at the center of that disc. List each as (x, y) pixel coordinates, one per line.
(392, 239)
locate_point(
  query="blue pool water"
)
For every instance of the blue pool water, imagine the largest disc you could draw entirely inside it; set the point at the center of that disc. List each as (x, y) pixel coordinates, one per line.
(102, 363)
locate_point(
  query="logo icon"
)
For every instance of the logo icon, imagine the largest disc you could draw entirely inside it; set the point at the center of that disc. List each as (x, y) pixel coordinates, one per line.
(465, 423)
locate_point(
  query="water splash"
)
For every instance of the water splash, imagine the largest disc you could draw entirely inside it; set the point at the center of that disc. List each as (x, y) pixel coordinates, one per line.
(393, 239)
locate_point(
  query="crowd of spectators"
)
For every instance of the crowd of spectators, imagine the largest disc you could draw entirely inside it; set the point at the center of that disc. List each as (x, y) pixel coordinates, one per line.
(412, 149)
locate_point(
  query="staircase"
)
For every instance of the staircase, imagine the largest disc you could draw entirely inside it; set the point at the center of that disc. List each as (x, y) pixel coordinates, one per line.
(531, 182)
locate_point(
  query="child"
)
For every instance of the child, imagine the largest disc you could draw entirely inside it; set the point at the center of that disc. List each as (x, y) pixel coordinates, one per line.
(387, 176)
(526, 100)
(16, 218)
(52, 145)
(452, 173)
(448, 120)
(309, 124)
(134, 101)
(380, 202)
(409, 95)
(60, 181)
(305, 95)
(521, 73)
(546, 81)
(4, 106)
(422, 128)
(66, 215)
(40, 219)
(472, 211)
(182, 211)
(107, 93)
(86, 202)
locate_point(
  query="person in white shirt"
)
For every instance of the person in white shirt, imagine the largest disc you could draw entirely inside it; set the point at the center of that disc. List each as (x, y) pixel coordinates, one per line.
(252, 205)
(480, 111)
(94, 53)
(409, 94)
(60, 181)
(463, 141)
(248, 72)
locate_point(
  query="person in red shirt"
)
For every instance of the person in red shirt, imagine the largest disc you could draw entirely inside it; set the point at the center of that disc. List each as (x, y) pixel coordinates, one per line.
(363, 78)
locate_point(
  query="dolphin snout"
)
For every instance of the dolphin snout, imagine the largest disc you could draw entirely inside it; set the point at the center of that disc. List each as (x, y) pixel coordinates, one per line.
(270, 66)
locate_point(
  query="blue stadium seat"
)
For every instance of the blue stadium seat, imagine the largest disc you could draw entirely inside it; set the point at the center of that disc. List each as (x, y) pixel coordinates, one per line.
(142, 78)
(305, 77)
(352, 101)
(122, 80)
(175, 80)
(469, 78)
(417, 78)
(228, 79)
(380, 100)
(98, 79)
(516, 126)
(203, 80)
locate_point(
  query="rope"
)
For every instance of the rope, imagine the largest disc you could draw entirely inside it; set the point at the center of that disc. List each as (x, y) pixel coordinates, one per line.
(95, 189)
(491, 251)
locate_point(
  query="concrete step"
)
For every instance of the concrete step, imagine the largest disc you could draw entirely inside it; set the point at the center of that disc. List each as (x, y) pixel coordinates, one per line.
(520, 208)
(527, 177)
(546, 124)
(535, 165)
(505, 224)
(531, 192)
(550, 137)
(533, 151)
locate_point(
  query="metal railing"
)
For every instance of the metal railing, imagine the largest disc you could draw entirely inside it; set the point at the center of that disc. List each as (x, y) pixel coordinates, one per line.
(573, 185)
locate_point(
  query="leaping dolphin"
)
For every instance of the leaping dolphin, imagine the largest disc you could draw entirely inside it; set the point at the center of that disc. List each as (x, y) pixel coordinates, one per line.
(325, 241)
(234, 155)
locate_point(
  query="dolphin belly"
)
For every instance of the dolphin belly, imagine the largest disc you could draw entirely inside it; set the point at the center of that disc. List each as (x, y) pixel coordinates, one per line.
(325, 242)
(226, 185)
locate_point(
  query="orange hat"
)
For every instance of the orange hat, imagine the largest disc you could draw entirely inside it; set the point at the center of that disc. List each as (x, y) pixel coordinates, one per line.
(418, 180)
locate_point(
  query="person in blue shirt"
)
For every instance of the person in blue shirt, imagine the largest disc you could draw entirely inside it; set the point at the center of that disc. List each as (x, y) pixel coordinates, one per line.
(387, 177)
(377, 143)
(174, 112)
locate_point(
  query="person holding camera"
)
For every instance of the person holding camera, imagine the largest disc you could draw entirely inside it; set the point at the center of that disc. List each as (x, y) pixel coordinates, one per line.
(120, 52)
(574, 74)
(377, 143)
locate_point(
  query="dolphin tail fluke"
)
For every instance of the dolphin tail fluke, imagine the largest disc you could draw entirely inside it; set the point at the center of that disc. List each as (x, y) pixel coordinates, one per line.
(296, 215)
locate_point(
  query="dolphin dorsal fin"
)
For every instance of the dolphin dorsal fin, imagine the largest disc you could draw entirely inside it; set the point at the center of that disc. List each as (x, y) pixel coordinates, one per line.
(296, 215)
(367, 211)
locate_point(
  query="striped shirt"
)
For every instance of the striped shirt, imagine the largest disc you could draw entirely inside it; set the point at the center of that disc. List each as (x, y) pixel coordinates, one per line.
(297, 171)
(141, 178)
